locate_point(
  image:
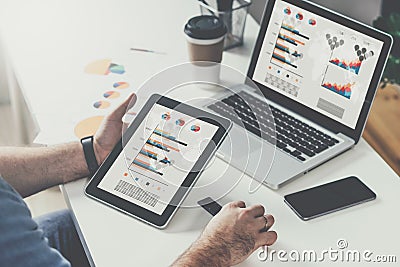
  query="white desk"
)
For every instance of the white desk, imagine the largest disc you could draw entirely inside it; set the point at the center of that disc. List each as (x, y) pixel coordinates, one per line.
(50, 42)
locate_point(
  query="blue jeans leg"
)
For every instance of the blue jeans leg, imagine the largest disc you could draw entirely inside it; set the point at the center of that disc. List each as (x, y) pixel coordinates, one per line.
(60, 231)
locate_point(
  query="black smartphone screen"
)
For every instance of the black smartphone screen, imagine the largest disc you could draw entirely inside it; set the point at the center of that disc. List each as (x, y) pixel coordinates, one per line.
(210, 205)
(330, 197)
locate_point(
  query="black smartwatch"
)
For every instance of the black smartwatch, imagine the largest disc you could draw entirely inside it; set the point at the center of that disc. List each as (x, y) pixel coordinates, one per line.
(88, 150)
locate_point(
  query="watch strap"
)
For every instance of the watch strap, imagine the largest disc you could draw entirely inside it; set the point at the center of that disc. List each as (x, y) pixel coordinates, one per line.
(90, 157)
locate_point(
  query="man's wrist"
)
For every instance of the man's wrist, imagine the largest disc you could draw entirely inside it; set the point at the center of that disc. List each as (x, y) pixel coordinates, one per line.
(98, 151)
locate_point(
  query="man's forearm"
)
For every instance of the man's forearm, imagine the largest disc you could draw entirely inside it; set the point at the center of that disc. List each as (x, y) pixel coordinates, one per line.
(30, 170)
(203, 253)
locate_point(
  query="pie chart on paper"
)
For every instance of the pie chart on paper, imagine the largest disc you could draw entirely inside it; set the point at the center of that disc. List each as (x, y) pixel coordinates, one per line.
(101, 104)
(111, 94)
(88, 127)
(104, 67)
(99, 67)
(121, 85)
(115, 68)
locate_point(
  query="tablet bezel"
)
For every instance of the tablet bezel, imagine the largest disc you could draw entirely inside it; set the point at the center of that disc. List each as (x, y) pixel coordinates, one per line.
(160, 221)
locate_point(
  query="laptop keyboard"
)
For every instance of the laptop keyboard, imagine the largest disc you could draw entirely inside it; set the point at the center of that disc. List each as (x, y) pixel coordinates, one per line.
(289, 134)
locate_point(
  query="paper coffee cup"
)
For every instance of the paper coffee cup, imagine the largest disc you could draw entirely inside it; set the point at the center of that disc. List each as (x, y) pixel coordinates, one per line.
(205, 38)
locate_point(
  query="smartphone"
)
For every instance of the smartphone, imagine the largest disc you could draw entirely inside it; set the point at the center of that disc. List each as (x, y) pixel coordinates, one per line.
(328, 198)
(210, 205)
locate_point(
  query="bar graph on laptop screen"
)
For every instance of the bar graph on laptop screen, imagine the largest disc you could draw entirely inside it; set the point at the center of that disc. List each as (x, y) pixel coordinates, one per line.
(317, 62)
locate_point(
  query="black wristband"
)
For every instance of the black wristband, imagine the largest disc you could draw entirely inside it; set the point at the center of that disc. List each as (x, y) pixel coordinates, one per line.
(88, 150)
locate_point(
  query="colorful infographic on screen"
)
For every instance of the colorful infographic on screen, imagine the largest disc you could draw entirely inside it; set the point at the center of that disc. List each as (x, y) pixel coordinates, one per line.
(157, 158)
(317, 62)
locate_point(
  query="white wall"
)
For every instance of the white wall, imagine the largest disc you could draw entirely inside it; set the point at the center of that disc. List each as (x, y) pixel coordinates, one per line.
(4, 95)
(18, 120)
(363, 10)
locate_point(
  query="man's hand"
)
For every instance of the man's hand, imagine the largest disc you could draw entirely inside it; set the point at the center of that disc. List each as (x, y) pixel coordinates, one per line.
(111, 130)
(231, 237)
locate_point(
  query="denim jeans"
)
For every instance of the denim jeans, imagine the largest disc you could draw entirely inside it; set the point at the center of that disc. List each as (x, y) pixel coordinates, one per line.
(61, 234)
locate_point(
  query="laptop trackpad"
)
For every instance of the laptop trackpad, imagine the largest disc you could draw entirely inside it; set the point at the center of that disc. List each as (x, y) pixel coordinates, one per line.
(247, 152)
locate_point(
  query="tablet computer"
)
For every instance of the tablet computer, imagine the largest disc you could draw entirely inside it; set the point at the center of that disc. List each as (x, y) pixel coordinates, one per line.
(158, 159)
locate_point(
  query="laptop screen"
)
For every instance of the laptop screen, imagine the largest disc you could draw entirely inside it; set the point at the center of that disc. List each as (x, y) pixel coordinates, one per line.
(319, 63)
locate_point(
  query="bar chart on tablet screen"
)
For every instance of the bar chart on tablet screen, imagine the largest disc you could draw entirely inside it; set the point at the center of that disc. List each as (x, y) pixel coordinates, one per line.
(154, 158)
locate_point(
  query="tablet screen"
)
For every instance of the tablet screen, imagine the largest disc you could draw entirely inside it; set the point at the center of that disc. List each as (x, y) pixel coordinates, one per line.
(157, 158)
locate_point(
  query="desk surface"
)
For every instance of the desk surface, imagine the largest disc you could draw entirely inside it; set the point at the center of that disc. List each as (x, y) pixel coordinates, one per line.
(50, 43)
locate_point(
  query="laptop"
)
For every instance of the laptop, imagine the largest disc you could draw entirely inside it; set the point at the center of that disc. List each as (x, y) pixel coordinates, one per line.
(317, 73)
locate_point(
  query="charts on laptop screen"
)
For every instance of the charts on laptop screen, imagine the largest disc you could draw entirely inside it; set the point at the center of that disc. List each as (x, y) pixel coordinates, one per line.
(317, 62)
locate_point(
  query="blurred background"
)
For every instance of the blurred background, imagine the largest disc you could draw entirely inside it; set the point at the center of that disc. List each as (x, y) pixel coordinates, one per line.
(362, 10)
